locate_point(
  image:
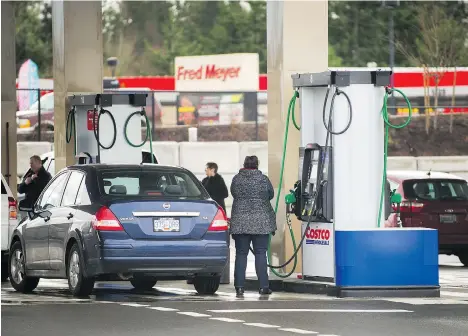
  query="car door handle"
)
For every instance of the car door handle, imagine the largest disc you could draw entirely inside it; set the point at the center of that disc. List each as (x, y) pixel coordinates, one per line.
(70, 215)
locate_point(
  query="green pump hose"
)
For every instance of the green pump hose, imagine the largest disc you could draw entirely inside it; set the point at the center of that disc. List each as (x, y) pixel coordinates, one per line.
(289, 116)
(388, 124)
(148, 132)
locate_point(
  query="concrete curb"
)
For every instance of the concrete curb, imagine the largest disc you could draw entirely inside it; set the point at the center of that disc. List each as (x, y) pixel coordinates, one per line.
(321, 288)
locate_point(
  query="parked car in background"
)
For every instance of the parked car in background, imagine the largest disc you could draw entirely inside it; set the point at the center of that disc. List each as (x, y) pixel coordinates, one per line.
(28, 120)
(143, 223)
(434, 200)
(9, 222)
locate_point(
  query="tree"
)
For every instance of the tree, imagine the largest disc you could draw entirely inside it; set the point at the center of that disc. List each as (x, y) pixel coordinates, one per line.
(441, 43)
(34, 35)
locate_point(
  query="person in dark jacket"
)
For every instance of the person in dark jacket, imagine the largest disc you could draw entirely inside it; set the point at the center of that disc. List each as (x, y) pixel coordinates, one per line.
(215, 185)
(252, 220)
(34, 182)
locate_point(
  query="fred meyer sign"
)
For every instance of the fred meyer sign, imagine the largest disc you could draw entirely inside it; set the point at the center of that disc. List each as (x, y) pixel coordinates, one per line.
(211, 73)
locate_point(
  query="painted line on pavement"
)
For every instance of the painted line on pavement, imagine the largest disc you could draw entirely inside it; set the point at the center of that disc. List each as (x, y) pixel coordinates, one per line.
(280, 310)
(134, 304)
(425, 301)
(163, 309)
(454, 294)
(261, 325)
(193, 314)
(226, 319)
(299, 331)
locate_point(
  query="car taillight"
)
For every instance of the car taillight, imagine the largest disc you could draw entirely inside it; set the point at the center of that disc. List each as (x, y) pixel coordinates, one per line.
(106, 220)
(13, 214)
(414, 207)
(219, 222)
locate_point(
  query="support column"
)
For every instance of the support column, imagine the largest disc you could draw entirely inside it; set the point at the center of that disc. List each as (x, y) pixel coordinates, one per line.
(297, 42)
(78, 63)
(9, 139)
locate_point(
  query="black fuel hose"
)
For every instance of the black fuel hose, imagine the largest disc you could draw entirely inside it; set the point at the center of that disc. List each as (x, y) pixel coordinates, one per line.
(71, 127)
(96, 129)
(332, 104)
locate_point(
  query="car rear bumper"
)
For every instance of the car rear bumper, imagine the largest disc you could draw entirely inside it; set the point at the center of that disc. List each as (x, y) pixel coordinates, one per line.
(164, 259)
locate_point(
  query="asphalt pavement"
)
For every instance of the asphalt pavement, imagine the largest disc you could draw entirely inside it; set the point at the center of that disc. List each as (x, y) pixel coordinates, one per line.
(174, 308)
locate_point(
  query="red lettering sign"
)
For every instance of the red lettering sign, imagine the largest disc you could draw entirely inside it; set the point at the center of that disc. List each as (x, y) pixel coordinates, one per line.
(210, 71)
(323, 234)
(90, 119)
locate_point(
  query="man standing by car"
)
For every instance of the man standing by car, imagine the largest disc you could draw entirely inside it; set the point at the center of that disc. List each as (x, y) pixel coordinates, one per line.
(215, 185)
(34, 181)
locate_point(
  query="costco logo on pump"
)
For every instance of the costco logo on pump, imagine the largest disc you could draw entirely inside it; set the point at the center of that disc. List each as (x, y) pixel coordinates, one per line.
(317, 236)
(217, 73)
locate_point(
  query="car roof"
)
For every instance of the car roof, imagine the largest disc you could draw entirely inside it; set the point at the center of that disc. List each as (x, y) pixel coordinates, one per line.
(418, 174)
(106, 166)
(51, 154)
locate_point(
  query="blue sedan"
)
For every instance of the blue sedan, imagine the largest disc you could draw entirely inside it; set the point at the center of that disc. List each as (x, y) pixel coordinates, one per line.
(142, 223)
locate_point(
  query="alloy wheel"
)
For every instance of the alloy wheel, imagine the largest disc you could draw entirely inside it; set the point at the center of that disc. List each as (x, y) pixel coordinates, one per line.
(17, 266)
(74, 269)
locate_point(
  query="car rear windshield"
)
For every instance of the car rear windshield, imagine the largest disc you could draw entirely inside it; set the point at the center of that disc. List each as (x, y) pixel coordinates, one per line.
(436, 190)
(150, 183)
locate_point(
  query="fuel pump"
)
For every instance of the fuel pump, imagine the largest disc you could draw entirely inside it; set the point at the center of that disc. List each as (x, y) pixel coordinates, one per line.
(95, 121)
(341, 190)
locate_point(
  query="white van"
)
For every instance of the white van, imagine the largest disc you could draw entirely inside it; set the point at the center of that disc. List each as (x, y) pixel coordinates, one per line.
(9, 222)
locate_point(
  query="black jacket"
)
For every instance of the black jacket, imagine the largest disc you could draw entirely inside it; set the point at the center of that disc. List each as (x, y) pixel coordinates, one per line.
(217, 189)
(33, 190)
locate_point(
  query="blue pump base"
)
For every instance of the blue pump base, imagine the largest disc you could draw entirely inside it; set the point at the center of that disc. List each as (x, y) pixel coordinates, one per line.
(390, 262)
(387, 258)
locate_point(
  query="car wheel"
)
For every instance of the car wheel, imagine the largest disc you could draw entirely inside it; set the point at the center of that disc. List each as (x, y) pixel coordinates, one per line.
(16, 271)
(143, 283)
(78, 284)
(206, 285)
(463, 256)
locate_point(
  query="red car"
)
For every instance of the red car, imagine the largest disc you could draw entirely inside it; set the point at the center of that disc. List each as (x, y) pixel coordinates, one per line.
(434, 200)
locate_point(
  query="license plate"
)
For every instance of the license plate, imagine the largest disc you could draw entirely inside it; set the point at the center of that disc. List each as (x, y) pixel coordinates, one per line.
(166, 225)
(448, 218)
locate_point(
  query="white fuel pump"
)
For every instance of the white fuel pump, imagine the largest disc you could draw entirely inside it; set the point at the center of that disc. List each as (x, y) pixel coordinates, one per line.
(339, 194)
(107, 127)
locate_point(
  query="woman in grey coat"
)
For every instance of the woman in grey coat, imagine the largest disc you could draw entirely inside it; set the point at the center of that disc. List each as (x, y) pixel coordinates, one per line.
(252, 220)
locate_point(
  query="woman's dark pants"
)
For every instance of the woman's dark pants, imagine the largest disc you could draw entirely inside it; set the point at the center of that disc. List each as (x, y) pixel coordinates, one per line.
(260, 246)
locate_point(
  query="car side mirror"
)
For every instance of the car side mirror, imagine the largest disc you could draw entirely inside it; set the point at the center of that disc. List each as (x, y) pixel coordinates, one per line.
(396, 198)
(45, 214)
(25, 209)
(30, 211)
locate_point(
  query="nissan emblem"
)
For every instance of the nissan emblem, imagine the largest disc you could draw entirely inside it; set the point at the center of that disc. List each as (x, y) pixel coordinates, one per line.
(166, 206)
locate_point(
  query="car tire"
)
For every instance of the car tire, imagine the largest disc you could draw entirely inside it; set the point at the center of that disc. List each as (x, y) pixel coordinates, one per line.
(17, 273)
(143, 283)
(207, 285)
(78, 283)
(463, 256)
